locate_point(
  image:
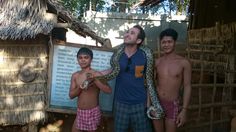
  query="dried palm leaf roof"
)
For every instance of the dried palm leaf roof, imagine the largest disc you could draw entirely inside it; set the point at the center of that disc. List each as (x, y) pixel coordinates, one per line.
(23, 19)
(20, 19)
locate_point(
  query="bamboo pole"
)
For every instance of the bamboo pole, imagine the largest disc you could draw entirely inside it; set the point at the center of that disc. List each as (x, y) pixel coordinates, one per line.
(207, 62)
(213, 99)
(23, 45)
(199, 125)
(22, 95)
(220, 104)
(200, 82)
(208, 45)
(215, 70)
(22, 83)
(212, 85)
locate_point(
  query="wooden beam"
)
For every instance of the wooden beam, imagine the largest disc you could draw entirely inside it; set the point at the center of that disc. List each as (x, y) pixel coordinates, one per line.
(63, 25)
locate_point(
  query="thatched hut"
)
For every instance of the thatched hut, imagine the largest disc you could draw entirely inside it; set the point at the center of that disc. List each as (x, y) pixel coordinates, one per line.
(26, 33)
(211, 49)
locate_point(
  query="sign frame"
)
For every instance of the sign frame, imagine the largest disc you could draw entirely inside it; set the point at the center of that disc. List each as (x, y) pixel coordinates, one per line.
(50, 82)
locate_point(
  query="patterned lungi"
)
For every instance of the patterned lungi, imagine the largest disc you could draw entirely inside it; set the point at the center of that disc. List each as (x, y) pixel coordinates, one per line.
(171, 108)
(88, 119)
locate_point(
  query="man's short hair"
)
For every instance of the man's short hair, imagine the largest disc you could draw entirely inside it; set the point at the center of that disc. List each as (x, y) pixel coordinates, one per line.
(169, 32)
(85, 51)
(141, 34)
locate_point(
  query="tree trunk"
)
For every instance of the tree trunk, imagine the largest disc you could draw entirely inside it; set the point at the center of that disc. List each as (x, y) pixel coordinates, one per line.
(123, 5)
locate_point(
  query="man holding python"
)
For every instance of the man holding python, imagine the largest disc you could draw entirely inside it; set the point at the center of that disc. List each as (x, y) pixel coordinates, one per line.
(132, 66)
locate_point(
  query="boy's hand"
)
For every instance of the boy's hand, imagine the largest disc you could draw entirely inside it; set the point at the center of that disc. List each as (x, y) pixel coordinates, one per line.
(90, 79)
(87, 82)
(181, 119)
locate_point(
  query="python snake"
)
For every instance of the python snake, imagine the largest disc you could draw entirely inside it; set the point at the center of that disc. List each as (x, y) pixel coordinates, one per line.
(155, 104)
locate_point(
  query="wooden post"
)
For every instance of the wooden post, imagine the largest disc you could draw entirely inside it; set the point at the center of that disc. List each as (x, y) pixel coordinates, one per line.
(32, 127)
(201, 77)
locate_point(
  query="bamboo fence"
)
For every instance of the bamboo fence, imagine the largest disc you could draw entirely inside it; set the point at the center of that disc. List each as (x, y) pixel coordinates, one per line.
(212, 54)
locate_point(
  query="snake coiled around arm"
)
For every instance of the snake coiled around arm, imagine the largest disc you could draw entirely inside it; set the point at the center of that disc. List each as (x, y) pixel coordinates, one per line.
(155, 103)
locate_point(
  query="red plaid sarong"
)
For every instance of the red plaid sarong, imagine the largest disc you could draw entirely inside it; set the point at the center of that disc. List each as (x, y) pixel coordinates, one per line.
(171, 108)
(88, 119)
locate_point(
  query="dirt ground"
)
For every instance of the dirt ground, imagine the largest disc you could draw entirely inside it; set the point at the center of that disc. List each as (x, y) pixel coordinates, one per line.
(53, 119)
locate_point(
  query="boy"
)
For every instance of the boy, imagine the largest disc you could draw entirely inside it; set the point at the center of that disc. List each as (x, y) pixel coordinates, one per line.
(88, 111)
(172, 72)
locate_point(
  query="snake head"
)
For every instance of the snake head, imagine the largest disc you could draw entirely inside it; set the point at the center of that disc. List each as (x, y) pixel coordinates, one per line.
(84, 85)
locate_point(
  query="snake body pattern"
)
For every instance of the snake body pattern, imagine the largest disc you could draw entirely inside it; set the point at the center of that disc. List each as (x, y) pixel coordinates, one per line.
(155, 103)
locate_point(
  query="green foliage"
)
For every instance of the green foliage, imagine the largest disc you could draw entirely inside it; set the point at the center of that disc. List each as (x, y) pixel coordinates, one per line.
(78, 7)
(172, 6)
(72, 5)
(181, 5)
(132, 2)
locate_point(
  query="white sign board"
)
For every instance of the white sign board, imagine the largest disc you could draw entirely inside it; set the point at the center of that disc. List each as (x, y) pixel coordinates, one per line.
(64, 63)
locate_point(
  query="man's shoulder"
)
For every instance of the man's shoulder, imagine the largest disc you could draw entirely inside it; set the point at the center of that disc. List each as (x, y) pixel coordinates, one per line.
(181, 58)
(96, 73)
(159, 58)
(77, 73)
(185, 61)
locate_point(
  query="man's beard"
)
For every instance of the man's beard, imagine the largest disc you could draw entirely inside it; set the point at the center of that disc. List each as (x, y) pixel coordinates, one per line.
(129, 44)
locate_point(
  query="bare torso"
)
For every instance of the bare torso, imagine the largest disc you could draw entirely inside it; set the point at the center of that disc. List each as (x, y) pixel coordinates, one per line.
(88, 98)
(169, 73)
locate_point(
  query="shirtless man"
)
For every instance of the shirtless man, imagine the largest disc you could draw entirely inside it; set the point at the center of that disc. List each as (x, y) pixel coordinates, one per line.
(172, 72)
(88, 111)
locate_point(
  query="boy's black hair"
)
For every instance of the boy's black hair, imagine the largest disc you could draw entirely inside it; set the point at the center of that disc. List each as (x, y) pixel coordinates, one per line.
(86, 51)
(169, 32)
(141, 34)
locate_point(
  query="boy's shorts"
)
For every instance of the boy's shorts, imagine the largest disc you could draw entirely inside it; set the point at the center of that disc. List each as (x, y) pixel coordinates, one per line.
(88, 119)
(171, 108)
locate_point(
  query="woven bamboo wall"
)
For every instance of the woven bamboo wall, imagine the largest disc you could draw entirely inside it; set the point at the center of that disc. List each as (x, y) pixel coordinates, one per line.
(212, 53)
(23, 92)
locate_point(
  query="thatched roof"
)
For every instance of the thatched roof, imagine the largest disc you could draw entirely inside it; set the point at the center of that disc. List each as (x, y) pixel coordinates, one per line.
(20, 19)
(24, 19)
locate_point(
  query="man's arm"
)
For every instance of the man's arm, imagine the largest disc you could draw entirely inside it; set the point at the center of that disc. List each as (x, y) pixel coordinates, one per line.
(187, 73)
(105, 72)
(74, 89)
(154, 81)
(187, 84)
(103, 86)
